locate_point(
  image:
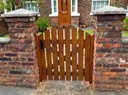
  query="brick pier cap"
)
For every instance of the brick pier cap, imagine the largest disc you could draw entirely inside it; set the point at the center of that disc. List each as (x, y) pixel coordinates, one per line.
(109, 10)
(20, 13)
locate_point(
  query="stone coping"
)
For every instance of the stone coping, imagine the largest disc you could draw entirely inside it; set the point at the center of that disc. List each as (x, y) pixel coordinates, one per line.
(20, 13)
(124, 39)
(4, 40)
(109, 10)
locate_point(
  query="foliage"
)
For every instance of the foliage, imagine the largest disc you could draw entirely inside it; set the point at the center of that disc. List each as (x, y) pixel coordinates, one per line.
(43, 23)
(124, 33)
(1, 5)
(9, 5)
(126, 24)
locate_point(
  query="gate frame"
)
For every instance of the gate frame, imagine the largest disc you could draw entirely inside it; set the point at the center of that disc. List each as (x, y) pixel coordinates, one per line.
(89, 42)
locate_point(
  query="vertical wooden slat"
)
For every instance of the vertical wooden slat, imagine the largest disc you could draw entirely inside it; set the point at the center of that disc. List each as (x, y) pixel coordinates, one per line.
(43, 59)
(39, 57)
(48, 54)
(54, 48)
(74, 53)
(87, 57)
(61, 52)
(91, 58)
(67, 33)
(81, 45)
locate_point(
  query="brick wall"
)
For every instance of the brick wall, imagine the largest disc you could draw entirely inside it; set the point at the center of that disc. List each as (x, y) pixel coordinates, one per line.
(119, 3)
(3, 26)
(45, 8)
(111, 55)
(18, 58)
(84, 10)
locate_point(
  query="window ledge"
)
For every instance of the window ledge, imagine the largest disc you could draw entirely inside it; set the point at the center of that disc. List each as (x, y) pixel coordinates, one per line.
(91, 14)
(73, 14)
(4, 40)
(53, 15)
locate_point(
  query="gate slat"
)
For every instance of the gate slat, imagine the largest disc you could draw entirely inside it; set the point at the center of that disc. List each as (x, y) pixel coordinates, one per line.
(48, 54)
(67, 38)
(81, 45)
(55, 61)
(87, 56)
(61, 52)
(74, 53)
(91, 59)
(43, 60)
(39, 57)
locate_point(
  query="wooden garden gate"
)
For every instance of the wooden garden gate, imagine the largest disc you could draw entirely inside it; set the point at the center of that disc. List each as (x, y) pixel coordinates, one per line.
(65, 54)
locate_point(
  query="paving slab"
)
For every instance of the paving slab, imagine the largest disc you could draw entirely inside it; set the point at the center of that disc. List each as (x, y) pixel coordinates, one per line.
(71, 88)
(8, 90)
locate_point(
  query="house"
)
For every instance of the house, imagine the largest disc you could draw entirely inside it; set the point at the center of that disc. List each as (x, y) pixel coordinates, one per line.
(79, 9)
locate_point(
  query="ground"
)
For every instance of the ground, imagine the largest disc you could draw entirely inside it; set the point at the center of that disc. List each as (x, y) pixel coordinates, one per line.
(58, 88)
(9, 90)
(71, 88)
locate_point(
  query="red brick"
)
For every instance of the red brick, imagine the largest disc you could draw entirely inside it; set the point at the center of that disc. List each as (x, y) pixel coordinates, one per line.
(105, 40)
(124, 65)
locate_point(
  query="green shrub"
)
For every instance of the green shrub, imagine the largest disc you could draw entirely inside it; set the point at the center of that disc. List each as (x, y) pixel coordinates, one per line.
(43, 24)
(126, 24)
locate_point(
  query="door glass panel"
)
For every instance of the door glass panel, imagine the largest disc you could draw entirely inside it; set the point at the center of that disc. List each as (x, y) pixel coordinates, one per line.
(64, 5)
(55, 6)
(73, 5)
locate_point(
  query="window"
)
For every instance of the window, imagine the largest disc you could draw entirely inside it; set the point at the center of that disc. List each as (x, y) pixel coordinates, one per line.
(74, 8)
(99, 4)
(31, 5)
(54, 7)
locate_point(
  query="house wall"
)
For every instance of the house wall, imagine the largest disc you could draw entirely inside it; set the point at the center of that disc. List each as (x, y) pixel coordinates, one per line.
(3, 26)
(84, 9)
(119, 3)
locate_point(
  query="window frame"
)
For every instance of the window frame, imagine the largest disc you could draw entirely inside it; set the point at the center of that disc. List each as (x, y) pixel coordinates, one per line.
(99, 0)
(31, 6)
(52, 8)
(56, 13)
(76, 9)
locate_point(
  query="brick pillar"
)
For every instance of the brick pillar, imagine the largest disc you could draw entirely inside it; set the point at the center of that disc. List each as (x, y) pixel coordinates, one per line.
(110, 55)
(18, 57)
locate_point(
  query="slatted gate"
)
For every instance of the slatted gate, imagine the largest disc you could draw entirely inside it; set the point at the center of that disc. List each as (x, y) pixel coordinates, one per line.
(65, 54)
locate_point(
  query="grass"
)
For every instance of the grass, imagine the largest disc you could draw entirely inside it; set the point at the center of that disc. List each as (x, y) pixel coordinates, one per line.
(5, 36)
(124, 33)
(89, 30)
